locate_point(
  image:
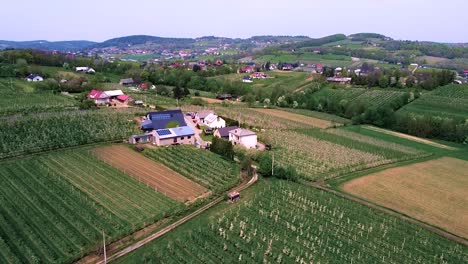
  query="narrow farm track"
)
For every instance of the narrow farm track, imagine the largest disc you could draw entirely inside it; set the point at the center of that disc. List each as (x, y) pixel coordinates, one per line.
(431, 228)
(158, 176)
(179, 222)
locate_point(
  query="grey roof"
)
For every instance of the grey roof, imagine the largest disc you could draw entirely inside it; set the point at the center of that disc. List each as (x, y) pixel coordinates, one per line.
(127, 81)
(204, 113)
(224, 131)
(242, 132)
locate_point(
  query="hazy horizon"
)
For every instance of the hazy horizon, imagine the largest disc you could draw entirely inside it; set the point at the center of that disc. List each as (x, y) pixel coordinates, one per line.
(53, 20)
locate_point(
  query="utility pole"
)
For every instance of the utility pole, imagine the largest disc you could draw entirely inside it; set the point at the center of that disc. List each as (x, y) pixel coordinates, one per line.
(104, 242)
(272, 163)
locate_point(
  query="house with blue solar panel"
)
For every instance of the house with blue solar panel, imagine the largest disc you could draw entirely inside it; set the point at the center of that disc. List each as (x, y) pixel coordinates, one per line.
(165, 128)
(163, 119)
(174, 136)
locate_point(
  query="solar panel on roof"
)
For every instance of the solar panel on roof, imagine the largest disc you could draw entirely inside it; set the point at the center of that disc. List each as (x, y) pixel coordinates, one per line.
(162, 117)
(164, 132)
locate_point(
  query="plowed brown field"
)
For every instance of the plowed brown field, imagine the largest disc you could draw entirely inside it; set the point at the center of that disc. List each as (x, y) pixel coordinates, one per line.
(435, 192)
(156, 175)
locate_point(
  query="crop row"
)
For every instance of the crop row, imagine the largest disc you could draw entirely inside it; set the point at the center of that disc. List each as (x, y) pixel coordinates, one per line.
(203, 167)
(288, 222)
(54, 208)
(47, 131)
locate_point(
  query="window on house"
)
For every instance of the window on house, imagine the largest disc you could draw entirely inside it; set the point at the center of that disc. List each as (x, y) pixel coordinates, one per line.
(175, 140)
(181, 138)
(189, 137)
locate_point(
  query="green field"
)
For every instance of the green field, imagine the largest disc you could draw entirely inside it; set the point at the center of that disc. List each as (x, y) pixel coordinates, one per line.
(307, 57)
(18, 96)
(55, 207)
(368, 97)
(203, 167)
(285, 222)
(322, 154)
(449, 101)
(36, 132)
(320, 115)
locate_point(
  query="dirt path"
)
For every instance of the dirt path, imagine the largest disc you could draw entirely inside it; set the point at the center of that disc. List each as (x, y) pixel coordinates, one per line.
(431, 228)
(417, 139)
(116, 255)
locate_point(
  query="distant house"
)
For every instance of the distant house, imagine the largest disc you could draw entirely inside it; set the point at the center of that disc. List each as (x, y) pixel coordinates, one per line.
(247, 79)
(465, 72)
(85, 69)
(113, 94)
(317, 51)
(99, 97)
(214, 121)
(144, 85)
(34, 78)
(173, 136)
(224, 132)
(123, 98)
(259, 75)
(218, 62)
(128, 81)
(319, 68)
(247, 69)
(200, 115)
(341, 80)
(273, 67)
(224, 97)
(163, 119)
(287, 67)
(244, 137)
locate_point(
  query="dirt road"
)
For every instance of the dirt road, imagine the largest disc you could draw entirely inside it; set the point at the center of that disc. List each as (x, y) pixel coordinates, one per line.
(176, 224)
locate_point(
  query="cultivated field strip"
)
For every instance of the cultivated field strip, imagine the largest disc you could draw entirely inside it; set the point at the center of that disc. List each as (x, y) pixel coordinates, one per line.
(38, 132)
(203, 167)
(432, 191)
(255, 118)
(307, 120)
(313, 157)
(156, 175)
(54, 208)
(14, 98)
(286, 222)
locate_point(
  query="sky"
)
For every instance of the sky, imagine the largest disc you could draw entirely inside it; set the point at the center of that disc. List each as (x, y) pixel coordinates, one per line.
(99, 20)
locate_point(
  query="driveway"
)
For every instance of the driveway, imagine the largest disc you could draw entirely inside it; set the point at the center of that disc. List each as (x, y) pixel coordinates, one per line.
(192, 125)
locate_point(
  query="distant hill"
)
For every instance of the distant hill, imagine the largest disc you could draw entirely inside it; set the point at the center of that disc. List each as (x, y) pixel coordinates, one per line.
(73, 45)
(316, 42)
(145, 40)
(368, 36)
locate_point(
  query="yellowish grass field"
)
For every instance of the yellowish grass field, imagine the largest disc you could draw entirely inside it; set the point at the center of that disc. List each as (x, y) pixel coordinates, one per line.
(311, 121)
(435, 192)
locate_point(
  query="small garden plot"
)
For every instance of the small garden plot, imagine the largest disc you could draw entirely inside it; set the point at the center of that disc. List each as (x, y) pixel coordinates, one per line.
(155, 175)
(201, 166)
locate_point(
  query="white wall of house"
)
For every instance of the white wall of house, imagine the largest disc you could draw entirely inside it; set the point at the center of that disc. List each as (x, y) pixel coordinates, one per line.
(246, 141)
(101, 101)
(218, 123)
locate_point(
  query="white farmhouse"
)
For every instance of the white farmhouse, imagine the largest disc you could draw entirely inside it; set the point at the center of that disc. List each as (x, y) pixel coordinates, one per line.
(85, 69)
(34, 78)
(244, 137)
(214, 121)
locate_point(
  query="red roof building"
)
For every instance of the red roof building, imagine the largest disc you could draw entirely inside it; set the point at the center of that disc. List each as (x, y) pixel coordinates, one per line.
(123, 97)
